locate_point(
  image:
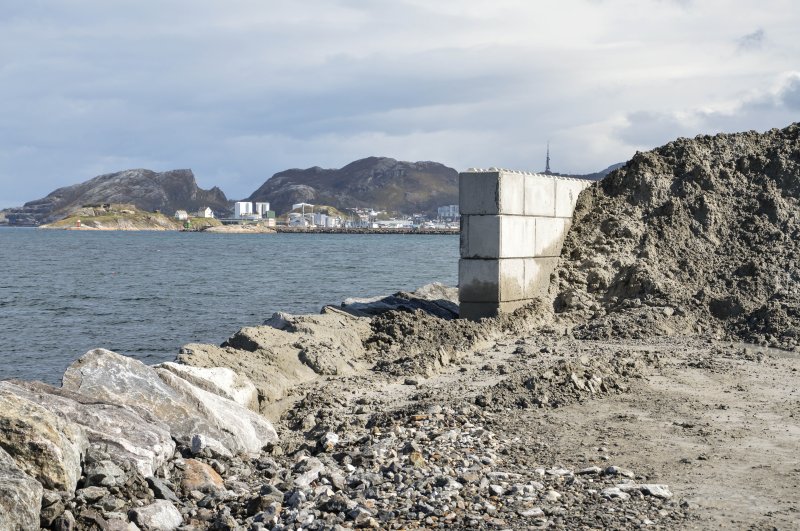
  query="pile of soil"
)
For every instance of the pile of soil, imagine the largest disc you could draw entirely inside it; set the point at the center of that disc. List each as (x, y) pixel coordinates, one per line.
(698, 236)
(566, 381)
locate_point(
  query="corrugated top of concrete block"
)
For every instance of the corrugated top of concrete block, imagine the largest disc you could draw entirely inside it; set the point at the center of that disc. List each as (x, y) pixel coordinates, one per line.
(533, 173)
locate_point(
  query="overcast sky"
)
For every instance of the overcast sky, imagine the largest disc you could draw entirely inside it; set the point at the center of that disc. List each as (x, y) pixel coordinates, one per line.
(241, 89)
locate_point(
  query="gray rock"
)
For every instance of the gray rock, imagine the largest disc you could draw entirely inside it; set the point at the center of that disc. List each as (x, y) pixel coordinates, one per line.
(20, 496)
(65, 522)
(615, 493)
(44, 446)
(117, 524)
(52, 508)
(126, 434)
(310, 470)
(202, 444)
(329, 441)
(160, 515)
(185, 408)
(246, 430)
(617, 471)
(221, 381)
(91, 494)
(104, 473)
(161, 490)
(658, 491)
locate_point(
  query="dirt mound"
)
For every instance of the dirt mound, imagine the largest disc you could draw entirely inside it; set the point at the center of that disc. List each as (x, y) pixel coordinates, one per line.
(405, 343)
(566, 381)
(699, 236)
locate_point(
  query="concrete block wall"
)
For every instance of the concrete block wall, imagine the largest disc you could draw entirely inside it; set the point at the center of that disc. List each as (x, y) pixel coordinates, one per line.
(513, 226)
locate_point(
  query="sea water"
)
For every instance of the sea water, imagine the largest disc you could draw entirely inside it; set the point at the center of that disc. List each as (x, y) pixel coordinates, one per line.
(145, 294)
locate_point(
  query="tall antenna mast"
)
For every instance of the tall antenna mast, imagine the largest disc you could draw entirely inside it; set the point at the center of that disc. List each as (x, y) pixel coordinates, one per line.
(547, 165)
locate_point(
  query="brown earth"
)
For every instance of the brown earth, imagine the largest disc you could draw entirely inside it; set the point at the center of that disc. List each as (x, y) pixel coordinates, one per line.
(715, 421)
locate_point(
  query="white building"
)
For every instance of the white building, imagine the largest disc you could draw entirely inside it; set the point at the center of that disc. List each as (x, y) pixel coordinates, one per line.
(298, 220)
(243, 210)
(204, 213)
(262, 209)
(448, 212)
(181, 215)
(302, 206)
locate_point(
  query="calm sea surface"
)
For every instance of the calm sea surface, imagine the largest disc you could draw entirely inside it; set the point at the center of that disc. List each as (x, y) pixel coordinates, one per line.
(145, 294)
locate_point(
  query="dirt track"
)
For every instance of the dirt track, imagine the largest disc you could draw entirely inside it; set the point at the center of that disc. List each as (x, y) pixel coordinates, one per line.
(717, 423)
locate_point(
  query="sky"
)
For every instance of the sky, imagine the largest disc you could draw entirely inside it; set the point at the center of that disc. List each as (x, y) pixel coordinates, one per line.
(242, 89)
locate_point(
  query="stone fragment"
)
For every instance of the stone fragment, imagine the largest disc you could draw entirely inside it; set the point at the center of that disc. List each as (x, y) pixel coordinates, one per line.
(496, 490)
(65, 522)
(614, 493)
(104, 473)
(201, 477)
(201, 443)
(617, 471)
(309, 470)
(329, 441)
(534, 512)
(552, 496)
(658, 491)
(161, 490)
(20, 496)
(44, 446)
(416, 459)
(91, 494)
(52, 508)
(160, 515)
(118, 524)
(127, 435)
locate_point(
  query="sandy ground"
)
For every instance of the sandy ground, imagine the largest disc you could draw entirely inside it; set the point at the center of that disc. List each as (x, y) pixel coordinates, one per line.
(717, 422)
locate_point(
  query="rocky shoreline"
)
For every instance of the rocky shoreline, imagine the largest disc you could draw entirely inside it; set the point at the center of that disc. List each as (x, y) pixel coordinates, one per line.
(122, 445)
(387, 413)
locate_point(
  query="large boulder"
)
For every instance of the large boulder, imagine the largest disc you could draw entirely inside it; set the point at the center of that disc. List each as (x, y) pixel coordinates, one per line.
(221, 381)
(160, 515)
(45, 446)
(20, 497)
(185, 408)
(125, 434)
(247, 431)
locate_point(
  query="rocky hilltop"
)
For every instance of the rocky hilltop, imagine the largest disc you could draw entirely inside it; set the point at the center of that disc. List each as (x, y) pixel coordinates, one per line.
(148, 190)
(376, 182)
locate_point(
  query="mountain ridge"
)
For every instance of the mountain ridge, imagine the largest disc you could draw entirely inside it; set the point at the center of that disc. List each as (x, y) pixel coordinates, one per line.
(372, 182)
(148, 190)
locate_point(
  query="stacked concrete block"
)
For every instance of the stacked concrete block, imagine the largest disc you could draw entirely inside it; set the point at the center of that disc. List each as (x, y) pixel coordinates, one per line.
(513, 226)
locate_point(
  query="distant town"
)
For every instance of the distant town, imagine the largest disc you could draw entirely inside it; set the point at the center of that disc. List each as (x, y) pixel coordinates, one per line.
(309, 216)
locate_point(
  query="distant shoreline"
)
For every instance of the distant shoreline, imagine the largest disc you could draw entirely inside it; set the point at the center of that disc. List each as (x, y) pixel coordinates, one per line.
(299, 230)
(279, 230)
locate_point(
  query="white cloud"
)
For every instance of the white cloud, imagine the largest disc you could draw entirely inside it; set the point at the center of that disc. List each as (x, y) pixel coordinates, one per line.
(243, 89)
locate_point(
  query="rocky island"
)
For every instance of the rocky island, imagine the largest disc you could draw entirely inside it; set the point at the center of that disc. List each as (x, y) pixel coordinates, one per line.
(150, 191)
(653, 386)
